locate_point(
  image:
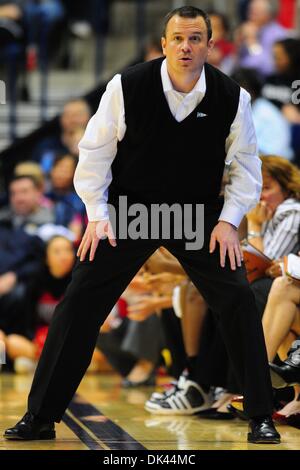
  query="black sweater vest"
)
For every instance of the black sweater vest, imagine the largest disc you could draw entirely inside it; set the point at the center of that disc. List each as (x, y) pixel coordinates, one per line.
(162, 160)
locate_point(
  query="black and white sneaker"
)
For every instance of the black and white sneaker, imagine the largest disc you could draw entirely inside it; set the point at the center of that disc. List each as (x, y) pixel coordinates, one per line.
(174, 385)
(187, 398)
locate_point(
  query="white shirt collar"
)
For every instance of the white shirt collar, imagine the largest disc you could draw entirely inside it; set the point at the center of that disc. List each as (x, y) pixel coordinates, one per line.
(200, 86)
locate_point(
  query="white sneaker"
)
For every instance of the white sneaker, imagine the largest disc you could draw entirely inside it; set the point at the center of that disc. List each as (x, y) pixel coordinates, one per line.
(187, 398)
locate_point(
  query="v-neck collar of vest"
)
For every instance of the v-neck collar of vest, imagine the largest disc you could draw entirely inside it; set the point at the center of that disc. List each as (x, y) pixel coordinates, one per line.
(201, 107)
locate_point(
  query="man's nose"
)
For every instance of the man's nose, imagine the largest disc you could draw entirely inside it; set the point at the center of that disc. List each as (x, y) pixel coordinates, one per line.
(186, 47)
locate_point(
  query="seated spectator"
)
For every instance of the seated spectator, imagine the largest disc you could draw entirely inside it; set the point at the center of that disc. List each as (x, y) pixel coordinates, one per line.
(20, 249)
(25, 210)
(256, 36)
(222, 55)
(75, 116)
(69, 209)
(281, 323)
(33, 169)
(278, 86)
(47, 290)
(273, 131)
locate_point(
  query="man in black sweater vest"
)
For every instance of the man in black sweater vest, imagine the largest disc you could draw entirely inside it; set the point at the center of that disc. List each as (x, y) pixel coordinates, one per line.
(162, 134)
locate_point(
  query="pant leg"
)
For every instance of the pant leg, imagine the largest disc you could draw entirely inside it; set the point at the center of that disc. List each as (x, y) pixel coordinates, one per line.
(93, 291)
(229, 296)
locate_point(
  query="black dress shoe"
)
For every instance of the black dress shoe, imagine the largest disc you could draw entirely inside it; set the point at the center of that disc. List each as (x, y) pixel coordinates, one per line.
(213, 413)
(262, 431)
(288, 373)
(285, 375)
(31, 428)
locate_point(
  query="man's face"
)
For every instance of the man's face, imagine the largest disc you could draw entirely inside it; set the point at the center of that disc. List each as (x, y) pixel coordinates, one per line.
(185, 44)
(259, 12)
(75, 115)
(24, 196)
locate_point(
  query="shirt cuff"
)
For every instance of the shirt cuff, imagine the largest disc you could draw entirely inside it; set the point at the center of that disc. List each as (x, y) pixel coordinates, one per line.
(231, 214)
(98, 212)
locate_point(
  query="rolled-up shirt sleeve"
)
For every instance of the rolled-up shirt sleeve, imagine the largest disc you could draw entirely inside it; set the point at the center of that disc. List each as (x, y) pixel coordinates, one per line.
(97, 150)
(243, 190)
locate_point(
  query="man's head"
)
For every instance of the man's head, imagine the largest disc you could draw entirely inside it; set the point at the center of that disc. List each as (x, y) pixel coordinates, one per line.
(62, 172)
(25, 195)
(187, 39)
(261, 12)
(76, 113)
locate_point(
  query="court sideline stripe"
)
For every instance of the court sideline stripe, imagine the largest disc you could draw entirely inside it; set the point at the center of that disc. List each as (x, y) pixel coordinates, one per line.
(81, 433)
(108, 432)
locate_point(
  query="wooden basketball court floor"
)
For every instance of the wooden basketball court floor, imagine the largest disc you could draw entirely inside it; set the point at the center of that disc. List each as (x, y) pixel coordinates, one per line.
(103, 416)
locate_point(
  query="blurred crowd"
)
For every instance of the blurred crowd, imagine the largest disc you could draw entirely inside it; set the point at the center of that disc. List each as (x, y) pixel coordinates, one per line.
(161, 319)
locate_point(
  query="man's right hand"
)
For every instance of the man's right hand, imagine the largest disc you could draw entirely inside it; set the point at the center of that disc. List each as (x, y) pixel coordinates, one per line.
(94, 232)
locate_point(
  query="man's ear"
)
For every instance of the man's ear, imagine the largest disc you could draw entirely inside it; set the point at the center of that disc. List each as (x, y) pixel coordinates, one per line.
(210, 46)
(163, 45)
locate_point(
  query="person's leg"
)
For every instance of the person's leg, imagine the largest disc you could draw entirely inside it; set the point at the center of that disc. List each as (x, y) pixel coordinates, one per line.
(229, 296)
(280, 314)
(143, 340)
(19, 346)
(93, 291)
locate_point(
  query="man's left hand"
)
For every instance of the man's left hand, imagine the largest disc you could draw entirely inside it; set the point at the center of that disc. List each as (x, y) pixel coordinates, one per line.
(227, 237)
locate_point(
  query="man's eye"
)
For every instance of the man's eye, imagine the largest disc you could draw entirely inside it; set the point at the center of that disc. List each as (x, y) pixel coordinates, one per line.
(195, 38)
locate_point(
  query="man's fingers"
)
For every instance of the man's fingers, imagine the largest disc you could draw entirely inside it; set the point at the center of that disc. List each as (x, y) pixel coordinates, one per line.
(223, 251)
(81, 245)
(231, 254)
(238, 255)
(212, 244)
(94, 245)
(111, 235)
(85, 248)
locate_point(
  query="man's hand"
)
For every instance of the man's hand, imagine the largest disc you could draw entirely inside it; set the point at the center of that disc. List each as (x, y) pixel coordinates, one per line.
(228, 239)
(95, 231)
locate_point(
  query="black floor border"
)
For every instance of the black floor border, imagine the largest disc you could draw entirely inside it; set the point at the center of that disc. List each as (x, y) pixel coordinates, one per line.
(80, 432)
(108, 432)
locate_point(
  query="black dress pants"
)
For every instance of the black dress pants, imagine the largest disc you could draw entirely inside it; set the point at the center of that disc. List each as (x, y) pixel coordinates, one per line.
(97, 285)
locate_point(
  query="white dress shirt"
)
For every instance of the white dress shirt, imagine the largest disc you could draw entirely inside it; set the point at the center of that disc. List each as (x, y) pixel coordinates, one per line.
(98, 148)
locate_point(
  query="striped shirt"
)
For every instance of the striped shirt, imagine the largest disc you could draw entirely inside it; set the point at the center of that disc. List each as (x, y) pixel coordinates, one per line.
(281, 233)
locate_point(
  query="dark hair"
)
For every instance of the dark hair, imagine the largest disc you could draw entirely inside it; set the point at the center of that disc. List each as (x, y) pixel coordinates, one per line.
(292, 48)
(189, 12)
(61, 156)
(249, 79)
(222, 17)
(34, 180)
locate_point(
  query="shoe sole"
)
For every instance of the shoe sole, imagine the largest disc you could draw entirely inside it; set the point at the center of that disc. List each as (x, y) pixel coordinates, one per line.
(264, 440)
(278, 381)
(48, 435)
(172, 412)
